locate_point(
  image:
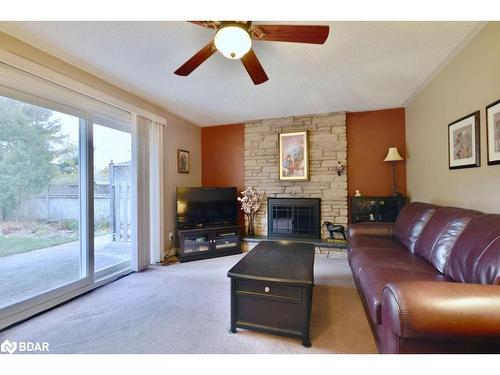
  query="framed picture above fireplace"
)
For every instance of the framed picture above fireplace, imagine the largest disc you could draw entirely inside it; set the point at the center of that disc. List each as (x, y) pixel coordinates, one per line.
(294, 159)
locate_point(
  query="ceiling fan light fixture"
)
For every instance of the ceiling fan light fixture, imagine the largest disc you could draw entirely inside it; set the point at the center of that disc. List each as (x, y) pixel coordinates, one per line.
(233, 41)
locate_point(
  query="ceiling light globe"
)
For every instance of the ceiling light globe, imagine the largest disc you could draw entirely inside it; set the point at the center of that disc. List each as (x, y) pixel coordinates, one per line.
(233, 42)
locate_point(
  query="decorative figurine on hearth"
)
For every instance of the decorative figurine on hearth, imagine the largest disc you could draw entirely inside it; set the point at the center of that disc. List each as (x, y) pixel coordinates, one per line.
(250, 204)
(357, 193)
(340, 167)
(334, 228)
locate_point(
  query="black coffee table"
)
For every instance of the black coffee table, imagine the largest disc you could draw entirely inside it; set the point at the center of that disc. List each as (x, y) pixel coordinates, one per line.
(271, 289)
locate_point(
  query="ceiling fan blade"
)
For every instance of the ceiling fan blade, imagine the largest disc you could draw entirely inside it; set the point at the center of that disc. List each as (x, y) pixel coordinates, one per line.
(253, 67)
(208, 24)
(195, 61)
(315, 34)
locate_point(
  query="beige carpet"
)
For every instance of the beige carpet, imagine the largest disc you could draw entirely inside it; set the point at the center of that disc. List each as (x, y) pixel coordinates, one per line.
(184, 308)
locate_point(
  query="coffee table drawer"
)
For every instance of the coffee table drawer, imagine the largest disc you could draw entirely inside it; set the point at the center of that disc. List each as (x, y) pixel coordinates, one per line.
(268, 288)
(269, 313)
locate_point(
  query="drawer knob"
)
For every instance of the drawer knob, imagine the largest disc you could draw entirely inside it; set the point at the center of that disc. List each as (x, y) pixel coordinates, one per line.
(266, 289)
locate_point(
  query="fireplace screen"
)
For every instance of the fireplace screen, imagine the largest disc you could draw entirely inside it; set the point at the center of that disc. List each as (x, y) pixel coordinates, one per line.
(294, 217)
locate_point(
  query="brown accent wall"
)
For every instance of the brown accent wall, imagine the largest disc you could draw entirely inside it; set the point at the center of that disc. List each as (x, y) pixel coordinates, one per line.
(369, 135)
(223, 157)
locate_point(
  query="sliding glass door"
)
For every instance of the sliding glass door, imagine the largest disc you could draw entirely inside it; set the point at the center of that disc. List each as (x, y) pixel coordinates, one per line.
(65, 203)
(112, 197)
(40, 201)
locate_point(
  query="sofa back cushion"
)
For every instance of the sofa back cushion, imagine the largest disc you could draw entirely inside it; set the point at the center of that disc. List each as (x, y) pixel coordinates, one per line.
(410, 222)
(441, 233)
(475, 258)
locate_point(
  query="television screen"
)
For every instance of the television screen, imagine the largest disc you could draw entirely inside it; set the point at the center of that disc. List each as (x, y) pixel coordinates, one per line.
(197, 207)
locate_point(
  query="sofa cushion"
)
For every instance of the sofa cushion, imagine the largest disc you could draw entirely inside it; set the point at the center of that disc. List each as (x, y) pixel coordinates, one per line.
(410, 222)
(475, 258)
(375, 246)
(441, 233)
(371, 242)
(389, 258)
(372, 229)
(372, 281)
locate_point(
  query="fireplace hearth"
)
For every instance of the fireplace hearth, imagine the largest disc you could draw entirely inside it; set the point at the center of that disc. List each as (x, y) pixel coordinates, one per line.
(291, 218)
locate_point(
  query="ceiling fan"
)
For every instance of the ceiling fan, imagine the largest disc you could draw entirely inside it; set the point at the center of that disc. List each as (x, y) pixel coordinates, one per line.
(234, 40)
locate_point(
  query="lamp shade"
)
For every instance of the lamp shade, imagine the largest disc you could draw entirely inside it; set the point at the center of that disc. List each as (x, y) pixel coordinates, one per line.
(393, 155)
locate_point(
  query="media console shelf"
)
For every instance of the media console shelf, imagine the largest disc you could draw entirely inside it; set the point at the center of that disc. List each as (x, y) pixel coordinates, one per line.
(208, 242)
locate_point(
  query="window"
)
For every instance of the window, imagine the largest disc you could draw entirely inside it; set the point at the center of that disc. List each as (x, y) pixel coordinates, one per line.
(40, 207)
(65, 194)
(70, 169)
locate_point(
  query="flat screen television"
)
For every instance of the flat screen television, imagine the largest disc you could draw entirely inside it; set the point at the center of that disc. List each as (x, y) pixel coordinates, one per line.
(200, 207)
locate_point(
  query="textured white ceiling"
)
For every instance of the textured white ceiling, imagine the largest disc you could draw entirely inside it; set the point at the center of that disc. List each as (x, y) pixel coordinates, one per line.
(362, 66)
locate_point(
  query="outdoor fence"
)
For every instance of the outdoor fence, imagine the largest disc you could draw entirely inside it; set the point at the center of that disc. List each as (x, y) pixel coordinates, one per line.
(112, 204)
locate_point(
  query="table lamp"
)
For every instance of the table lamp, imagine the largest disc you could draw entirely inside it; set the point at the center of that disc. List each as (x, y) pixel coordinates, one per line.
(393, 156)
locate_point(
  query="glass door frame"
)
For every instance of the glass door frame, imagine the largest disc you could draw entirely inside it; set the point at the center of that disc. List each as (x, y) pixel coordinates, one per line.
(88, 279)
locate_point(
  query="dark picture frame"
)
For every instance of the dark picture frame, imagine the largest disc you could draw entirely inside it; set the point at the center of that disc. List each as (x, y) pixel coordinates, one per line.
(182, 161)
(293, 156)
(493, 132)
(464, 142)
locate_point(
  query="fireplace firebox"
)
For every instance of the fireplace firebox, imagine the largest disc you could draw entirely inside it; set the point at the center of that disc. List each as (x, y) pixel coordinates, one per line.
(290, 218)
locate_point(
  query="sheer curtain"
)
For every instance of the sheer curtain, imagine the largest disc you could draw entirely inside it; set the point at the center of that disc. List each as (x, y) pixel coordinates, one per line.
(147, 183)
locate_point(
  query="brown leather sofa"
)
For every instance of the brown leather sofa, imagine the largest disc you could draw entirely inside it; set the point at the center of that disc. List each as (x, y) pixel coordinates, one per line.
(430, 283)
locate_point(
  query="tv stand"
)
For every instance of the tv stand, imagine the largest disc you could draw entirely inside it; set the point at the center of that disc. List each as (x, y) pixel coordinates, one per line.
(208, 242)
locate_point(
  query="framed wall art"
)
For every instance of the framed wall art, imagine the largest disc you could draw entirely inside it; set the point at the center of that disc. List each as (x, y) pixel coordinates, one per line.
(464, 142)
(294, 161)
(493, 132)
(183, 161)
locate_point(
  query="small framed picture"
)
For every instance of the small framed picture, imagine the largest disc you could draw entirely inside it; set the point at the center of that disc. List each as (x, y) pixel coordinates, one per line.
(464, 142)
(294, 161)
(493, 132)
(183, 161)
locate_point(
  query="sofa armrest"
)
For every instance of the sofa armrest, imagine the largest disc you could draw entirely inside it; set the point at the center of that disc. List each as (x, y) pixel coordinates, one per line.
(371, 229)
(429, 309)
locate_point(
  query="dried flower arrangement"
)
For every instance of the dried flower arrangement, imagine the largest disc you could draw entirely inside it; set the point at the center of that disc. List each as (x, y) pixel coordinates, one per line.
(250, 204)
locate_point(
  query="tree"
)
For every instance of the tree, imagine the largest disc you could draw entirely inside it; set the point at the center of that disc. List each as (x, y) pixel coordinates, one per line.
(30, 143)
(67, 165)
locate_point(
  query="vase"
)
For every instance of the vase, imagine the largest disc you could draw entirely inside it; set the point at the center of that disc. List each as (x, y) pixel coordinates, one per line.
(250, 228)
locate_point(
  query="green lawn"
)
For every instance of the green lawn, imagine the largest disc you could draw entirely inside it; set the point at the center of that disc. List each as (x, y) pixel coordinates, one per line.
(16, 245)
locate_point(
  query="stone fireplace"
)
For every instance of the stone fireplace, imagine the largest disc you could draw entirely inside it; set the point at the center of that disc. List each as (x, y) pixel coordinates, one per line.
(327, 145)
